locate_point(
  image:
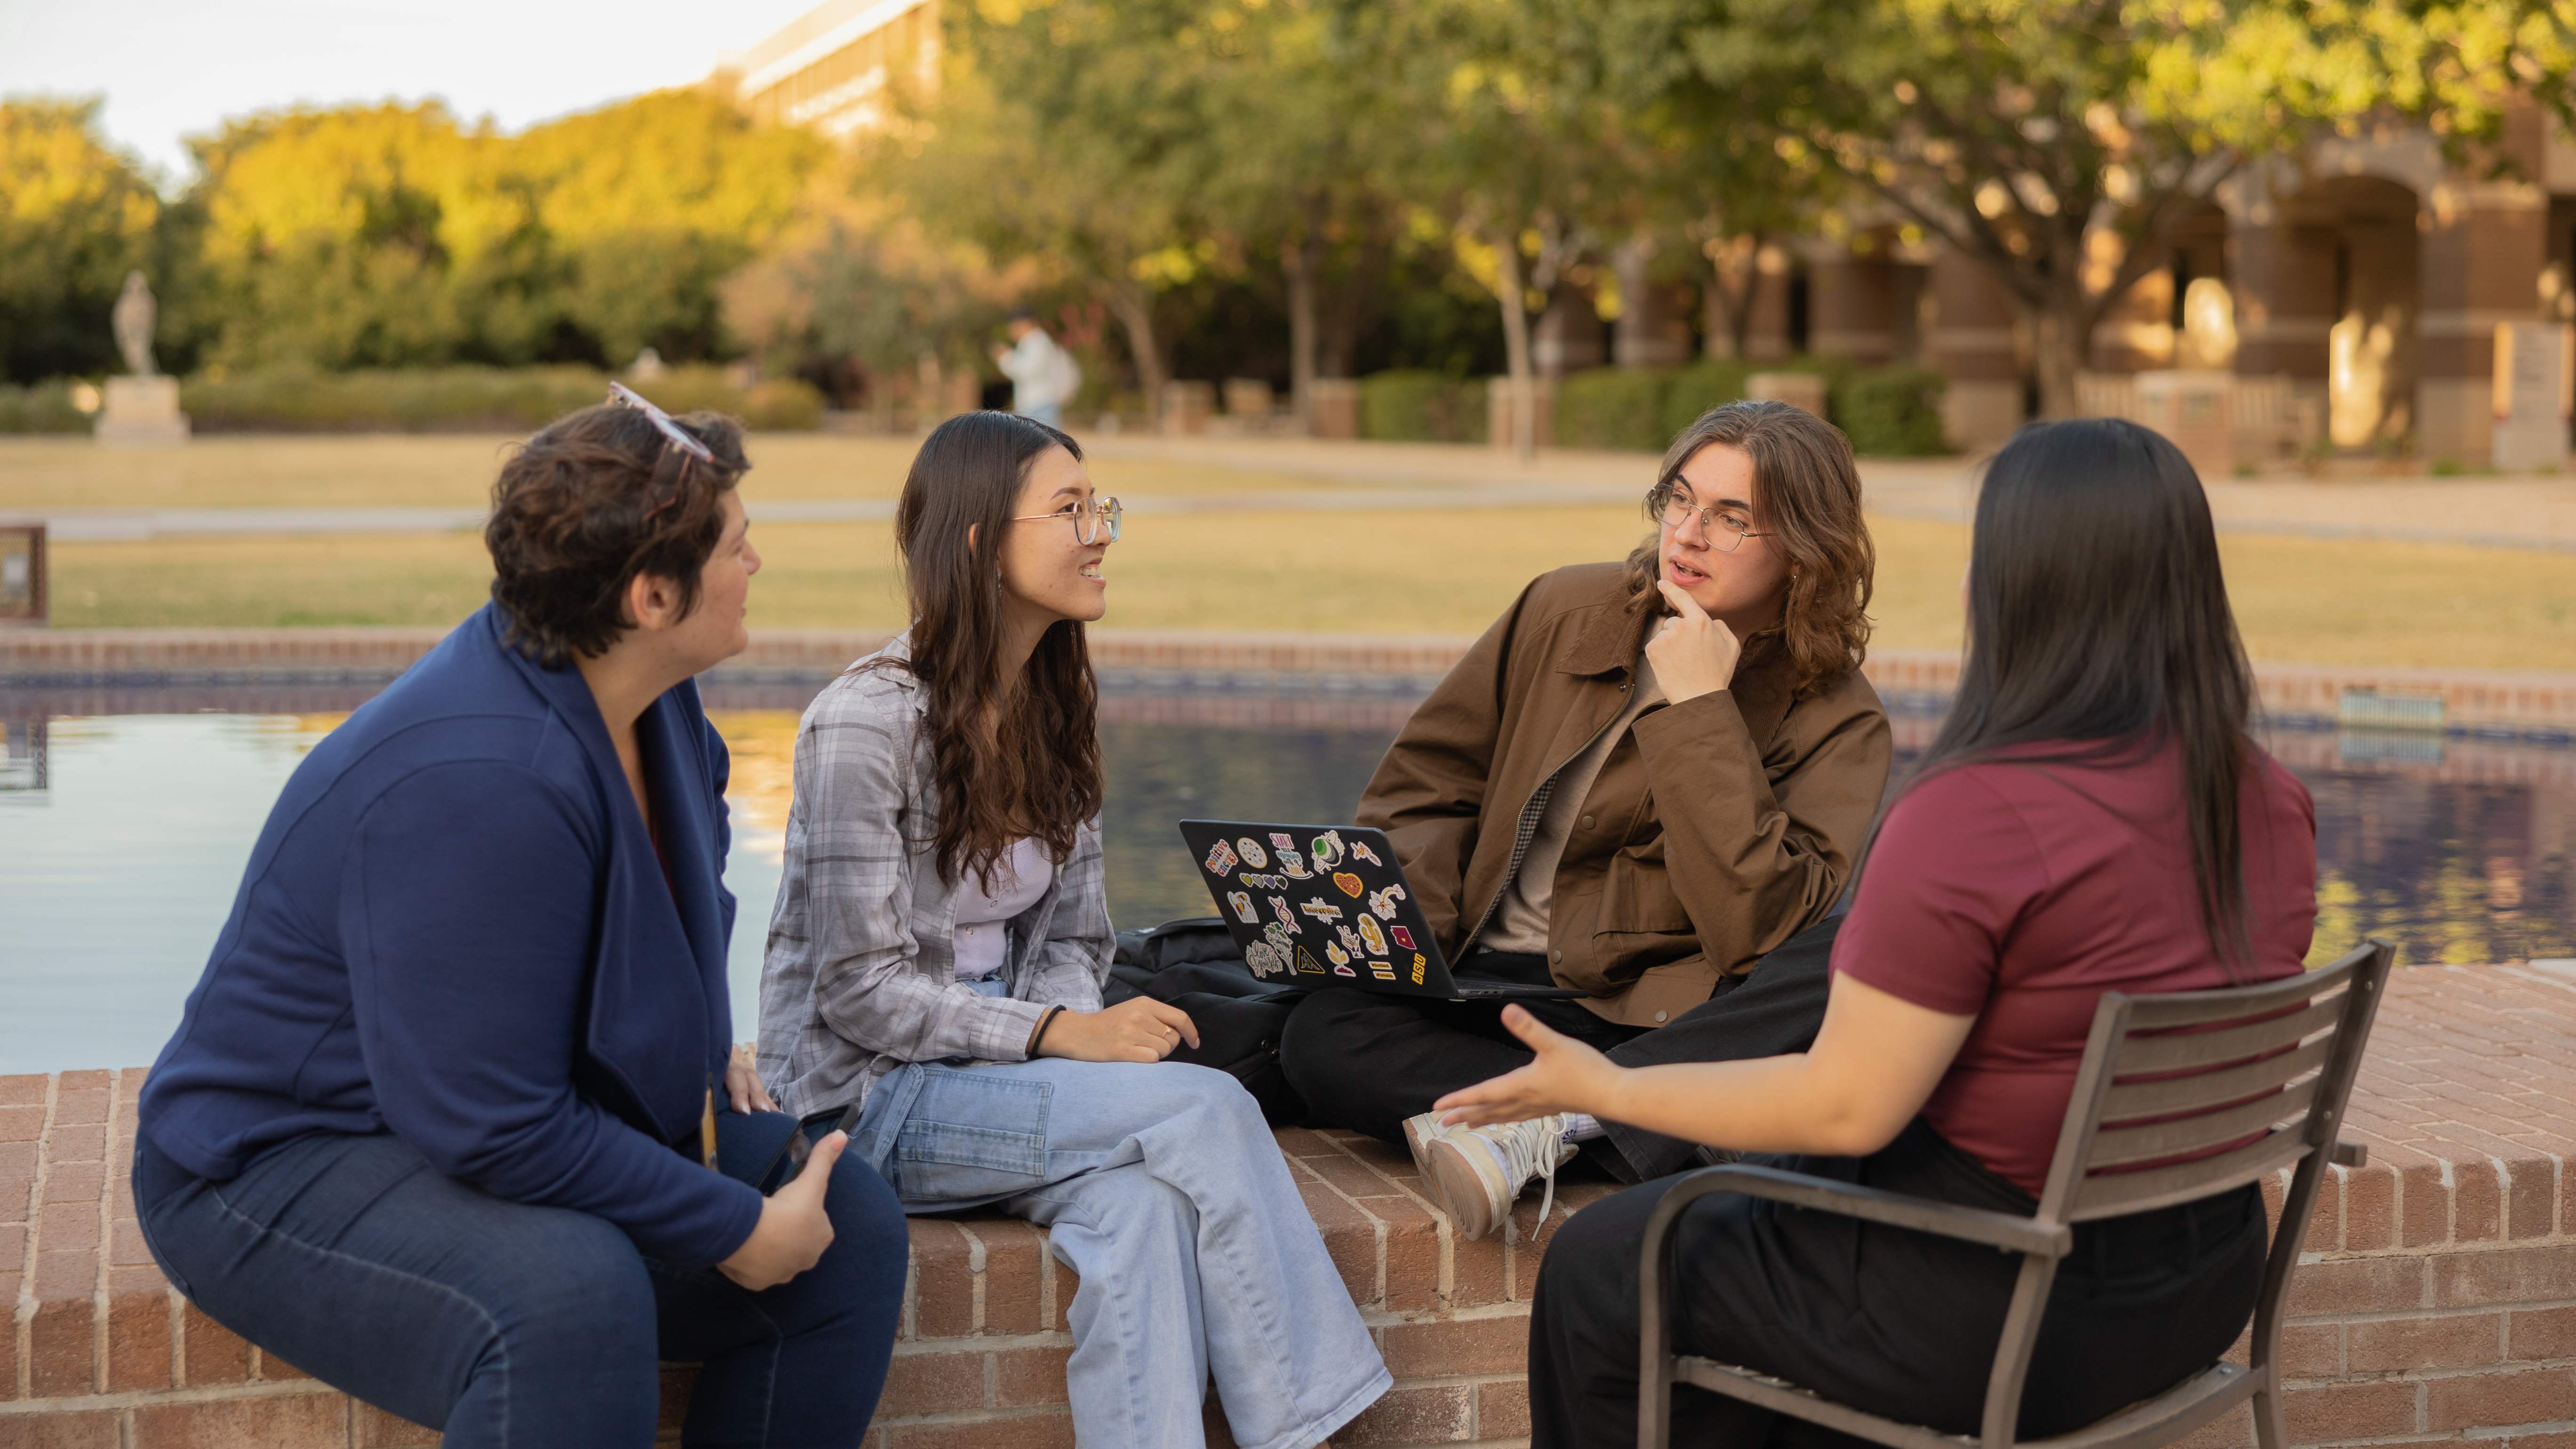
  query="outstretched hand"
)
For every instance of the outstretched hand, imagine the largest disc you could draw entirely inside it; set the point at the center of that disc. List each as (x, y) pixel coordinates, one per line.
(1566, 1076)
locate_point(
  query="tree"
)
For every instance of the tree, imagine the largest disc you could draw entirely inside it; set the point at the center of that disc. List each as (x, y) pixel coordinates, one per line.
(75, 216)
(2058, 142)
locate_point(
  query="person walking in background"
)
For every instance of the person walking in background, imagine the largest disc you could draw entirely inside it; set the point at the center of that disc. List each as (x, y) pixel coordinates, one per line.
(1044, 377)
(2093, 816)
(1648, 781)
(451, 1121)
(937, 955)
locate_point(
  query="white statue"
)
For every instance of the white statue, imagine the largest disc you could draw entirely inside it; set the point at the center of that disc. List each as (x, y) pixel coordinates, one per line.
(133, 319)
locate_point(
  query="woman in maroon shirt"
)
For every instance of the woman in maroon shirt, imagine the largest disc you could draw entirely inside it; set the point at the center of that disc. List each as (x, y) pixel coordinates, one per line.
(2093, 816)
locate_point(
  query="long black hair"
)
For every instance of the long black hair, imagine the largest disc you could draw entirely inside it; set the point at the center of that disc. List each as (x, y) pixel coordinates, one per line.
(2098, 628)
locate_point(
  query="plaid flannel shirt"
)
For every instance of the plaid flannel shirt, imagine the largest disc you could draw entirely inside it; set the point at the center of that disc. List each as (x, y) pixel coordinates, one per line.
(860, 975)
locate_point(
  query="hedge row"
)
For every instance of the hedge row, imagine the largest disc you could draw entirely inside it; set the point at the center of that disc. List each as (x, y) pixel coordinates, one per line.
(459, 399)
(1422, 407)
(45, 407)
(445, 399)
(1885, 411)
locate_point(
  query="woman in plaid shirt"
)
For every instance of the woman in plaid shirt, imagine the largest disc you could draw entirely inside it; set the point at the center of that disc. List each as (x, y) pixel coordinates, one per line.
(937, 954)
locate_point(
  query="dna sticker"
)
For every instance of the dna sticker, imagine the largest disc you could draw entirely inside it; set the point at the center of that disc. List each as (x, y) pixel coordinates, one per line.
(1280, 905)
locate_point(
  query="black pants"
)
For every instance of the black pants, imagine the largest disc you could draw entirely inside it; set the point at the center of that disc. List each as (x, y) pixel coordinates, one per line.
(1367, 1062)
(1898, 1323)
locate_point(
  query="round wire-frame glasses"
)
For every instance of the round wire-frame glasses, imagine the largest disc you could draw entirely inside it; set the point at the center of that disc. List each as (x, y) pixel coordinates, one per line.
(1093, 519)
(1724, 531)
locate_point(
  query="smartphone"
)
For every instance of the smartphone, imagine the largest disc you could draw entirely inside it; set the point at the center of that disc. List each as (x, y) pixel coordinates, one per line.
(792, 1154)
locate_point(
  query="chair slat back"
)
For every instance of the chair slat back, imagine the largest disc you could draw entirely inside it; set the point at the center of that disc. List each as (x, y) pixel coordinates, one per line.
(2187, 1094)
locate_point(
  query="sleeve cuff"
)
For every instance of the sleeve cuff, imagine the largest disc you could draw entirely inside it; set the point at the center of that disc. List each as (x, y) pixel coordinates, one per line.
(1002, 1028)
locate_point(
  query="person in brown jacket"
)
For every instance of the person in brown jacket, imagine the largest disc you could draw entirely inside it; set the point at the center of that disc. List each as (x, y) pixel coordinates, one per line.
(1647, 782)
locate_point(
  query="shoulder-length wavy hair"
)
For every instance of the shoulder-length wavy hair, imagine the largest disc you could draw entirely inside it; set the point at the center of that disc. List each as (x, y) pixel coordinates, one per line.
(1808, 499)
(2098, 627)
(1010, 757)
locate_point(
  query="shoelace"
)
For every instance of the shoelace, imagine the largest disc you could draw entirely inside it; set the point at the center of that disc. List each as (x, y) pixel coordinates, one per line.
(1530, 1149)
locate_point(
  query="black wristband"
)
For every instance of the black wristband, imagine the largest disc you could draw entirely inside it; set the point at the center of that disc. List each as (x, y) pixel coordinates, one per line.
(1039, 1035)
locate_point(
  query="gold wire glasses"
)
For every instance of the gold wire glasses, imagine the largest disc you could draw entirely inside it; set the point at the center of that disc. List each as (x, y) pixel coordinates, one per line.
(1725, 528)
(1093, 519)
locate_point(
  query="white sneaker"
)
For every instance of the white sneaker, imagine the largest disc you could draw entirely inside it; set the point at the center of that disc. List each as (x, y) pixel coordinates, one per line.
(1477, 1172)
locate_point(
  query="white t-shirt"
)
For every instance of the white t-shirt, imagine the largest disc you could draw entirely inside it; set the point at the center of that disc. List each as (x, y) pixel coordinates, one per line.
(983, 937)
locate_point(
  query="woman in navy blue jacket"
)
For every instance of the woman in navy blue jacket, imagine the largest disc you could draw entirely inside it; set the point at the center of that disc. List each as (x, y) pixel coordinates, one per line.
(452, 1121)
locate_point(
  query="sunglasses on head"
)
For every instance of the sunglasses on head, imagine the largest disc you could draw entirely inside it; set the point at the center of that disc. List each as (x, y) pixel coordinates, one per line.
(620, 395)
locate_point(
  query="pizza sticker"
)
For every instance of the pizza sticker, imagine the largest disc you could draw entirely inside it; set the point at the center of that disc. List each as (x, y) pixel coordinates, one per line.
(1220, 858)
(1403, 937)
(1348, 883)
(1252, 853)
(1243, 911)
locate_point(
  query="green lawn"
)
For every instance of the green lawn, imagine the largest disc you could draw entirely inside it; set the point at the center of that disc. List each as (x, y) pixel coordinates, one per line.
(2308, 600)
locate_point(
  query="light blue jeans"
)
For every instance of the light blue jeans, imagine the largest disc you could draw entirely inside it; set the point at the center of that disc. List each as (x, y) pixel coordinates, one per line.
(1162, 1187)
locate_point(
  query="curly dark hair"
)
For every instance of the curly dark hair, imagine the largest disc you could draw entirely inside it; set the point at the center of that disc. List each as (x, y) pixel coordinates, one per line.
(595, 498)
(1810, 498)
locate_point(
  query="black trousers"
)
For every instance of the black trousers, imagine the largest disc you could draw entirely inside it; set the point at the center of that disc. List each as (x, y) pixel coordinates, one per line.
(1366, 1062)
(1898, 1323)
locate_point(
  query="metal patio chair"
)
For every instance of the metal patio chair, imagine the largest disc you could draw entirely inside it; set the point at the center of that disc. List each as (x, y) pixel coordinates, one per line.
(2277, 1058)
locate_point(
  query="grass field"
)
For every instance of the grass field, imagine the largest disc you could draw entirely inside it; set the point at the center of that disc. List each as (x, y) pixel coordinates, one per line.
(433, 470)
(2297, 599)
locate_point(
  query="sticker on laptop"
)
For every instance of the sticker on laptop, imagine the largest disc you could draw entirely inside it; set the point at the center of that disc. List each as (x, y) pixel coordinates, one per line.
(1350, 940)
(1359, 848)
(1383, 902)
(1220, 858)
(1370, 933)
(1334, 953)
(1344, 971)
(1403, 937)
(1281, 939)
(1417, 968)
(1306, 964)
(1294, 864)
(1327, 849)
(1282, 840)
(1264, 882)
(1264, 959)
(1243, 911)
(1322, 910)
(1280, 904)
(1252, 853)
(1348, 882)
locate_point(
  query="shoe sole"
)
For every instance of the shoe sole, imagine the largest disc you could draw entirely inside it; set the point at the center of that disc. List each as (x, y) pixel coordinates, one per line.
(1463, 1193)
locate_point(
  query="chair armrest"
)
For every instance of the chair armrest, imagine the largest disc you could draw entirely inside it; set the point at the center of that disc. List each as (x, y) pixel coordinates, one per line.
(2003, 1231)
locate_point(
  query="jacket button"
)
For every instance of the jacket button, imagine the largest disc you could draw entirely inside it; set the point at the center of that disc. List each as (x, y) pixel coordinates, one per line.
(1587, 822)
(1659, 1016)
(1560, 953)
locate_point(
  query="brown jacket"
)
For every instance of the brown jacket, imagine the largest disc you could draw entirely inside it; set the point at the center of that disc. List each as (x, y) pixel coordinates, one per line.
(1717, 829)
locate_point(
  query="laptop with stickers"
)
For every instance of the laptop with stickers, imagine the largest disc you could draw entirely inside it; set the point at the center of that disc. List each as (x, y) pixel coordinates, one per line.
(1327, 905)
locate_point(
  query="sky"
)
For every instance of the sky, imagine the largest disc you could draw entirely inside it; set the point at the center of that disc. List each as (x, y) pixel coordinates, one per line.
(170, 68)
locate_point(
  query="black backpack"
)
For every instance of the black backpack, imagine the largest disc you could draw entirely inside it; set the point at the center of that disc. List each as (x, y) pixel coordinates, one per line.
(1193, 964)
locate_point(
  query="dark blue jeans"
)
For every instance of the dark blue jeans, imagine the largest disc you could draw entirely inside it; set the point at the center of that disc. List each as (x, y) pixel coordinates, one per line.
(509, 1326)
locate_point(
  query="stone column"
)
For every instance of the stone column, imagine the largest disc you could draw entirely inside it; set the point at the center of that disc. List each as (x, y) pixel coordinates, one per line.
(1766, 332)
(2281, 277)
(1973, 345)
(2138, 333)
(1568, 337)
(1649, 333)
(1852, 300)
(2484, 243)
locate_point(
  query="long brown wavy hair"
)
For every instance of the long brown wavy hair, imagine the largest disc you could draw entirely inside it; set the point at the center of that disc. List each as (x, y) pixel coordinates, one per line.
(1809, 500)
(1037, 772)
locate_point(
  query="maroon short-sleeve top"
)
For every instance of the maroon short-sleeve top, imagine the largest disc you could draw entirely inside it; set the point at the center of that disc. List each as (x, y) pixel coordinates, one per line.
(2018, 891)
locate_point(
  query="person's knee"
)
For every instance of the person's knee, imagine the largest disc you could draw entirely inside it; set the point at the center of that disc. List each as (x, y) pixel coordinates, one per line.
(1314, 1042)
(576, 1278)
(867, 1220)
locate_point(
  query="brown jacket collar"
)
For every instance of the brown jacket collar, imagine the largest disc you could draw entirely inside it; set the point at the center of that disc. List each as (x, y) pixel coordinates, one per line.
(1611, 643)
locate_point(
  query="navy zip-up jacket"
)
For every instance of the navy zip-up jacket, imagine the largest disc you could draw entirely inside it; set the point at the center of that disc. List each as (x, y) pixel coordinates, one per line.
(454, 928)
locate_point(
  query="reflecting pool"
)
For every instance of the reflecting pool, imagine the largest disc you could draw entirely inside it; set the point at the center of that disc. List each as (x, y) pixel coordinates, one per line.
(126, 816)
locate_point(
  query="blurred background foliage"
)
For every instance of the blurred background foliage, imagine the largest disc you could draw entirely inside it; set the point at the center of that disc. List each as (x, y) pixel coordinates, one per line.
(1287, 190)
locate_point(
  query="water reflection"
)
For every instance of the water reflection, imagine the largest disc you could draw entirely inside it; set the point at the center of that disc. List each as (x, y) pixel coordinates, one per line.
(123, 835)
